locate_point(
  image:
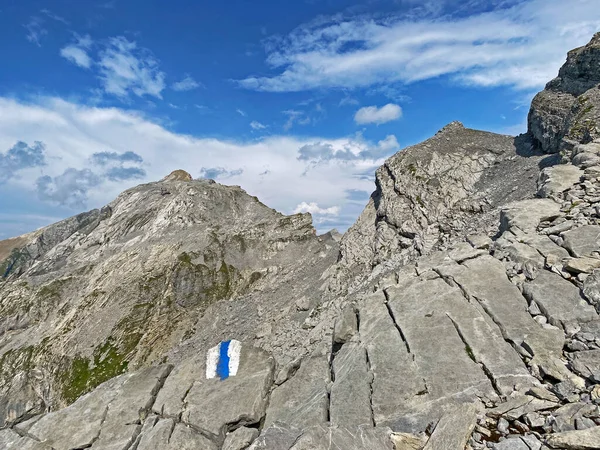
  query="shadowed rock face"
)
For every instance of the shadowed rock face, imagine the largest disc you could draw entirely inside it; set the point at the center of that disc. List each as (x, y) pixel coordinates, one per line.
(459, 312)
(569, 106)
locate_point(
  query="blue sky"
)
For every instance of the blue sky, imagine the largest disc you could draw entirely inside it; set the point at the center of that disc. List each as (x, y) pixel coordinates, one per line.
(297, 102)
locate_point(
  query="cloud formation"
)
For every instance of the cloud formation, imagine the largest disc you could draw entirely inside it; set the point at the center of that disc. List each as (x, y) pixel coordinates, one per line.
(127, 69)
(106, 158)
(294, 116)
(518, 43)
(219, 172)
(119, 166)
(315, 209)
(373, 114)
(35, 31)
(68, 189)
(187, 84)
(322, 152)
(255, 125)
(77, 53)
(92, 141)
(21, 156)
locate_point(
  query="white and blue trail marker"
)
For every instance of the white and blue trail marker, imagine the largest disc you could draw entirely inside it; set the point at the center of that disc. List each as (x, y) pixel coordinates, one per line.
(223, 360)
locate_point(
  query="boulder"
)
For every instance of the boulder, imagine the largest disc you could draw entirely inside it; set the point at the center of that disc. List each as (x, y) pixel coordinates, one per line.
(583, 241)
(553, 181)
(454, 429)
(559, 300)
(575, 440)
(241, 398)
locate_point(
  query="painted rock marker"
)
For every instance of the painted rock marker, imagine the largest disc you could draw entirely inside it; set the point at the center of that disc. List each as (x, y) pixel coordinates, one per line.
(223, 360)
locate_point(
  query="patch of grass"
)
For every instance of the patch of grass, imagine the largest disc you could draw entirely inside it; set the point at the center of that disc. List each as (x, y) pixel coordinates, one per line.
(108, 361)
(185, 258)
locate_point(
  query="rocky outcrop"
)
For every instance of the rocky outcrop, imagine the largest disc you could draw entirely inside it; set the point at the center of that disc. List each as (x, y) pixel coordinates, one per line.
(428, 194)
(569, 107)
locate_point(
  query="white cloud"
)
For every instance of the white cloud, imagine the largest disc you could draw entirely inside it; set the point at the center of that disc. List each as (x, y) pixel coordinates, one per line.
(514, 43)
(348, 101)
(76, 55)
(126, 68)
(187, 84)
(240, 112)
(295, 116)
(373, 114)
(269, 168)
(257, 125)
(53, 16)
(389, 144)
(77, 52)
(35, 31)
(314, 208)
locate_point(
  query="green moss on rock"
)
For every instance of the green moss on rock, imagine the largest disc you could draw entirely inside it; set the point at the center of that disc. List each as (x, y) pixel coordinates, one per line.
(108, 361)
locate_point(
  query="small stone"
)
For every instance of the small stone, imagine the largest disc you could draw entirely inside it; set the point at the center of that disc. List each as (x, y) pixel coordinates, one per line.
(302, 304)
(542, 394)
(581, 439)
(240, 438)
(479, 241)
(483, 431)
(541, 320)
(407, 441)
(345, 326)
(502, 426)
(534, 309)
(566, 390)
(582, 265)
(576, 346)
(583, 423)
(520, 426)
(534, 420)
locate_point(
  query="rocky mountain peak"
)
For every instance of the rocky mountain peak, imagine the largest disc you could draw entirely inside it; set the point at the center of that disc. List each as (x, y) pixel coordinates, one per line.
(432, 191)
(566, 111)
(451, 126)
(178, 175)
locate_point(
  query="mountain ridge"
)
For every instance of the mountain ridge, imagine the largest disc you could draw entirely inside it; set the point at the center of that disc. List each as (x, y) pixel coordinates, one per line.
(459, 311)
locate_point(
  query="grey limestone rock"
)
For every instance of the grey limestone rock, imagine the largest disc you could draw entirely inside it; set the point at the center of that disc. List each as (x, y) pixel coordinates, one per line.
(345, 326)
(569, 105)
(591, 287)
(454, 428)
(240, 439)
(211, 405)
(525, 216)
(575, 440)
(583, 241)
(553, 181)
(587, 364)
(303, 400)
(560, 301)
(350, 403)
(325, 438)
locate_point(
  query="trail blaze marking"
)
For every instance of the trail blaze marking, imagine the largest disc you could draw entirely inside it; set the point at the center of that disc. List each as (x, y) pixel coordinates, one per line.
(223, 360)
